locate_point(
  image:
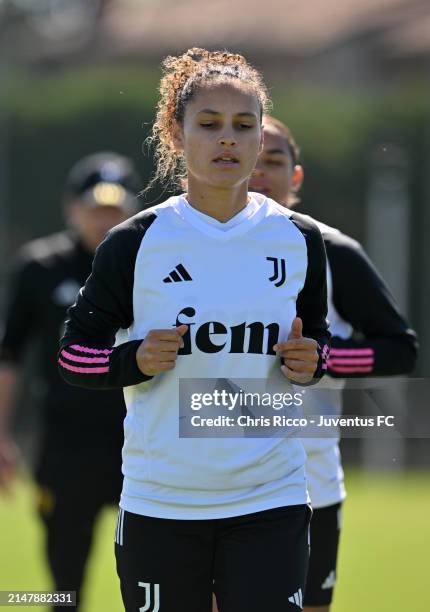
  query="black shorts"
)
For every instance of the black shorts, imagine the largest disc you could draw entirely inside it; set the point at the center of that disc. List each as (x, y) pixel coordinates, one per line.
(325, 532)
(253, 563)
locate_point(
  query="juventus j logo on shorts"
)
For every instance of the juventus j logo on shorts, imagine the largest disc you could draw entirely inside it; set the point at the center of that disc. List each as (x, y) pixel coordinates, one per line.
(152, 597)
(279, 275)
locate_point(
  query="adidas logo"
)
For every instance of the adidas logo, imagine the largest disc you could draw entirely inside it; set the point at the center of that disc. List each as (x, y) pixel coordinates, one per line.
(330, 581)
(297, 599)
(178, 275)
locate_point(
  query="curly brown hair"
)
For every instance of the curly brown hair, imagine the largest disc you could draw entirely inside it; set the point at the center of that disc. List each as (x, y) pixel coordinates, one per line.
(182, 76)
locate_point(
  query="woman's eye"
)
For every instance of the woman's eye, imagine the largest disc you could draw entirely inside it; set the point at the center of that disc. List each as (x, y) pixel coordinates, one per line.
(245, 126)
(274, 162)
(207, 124)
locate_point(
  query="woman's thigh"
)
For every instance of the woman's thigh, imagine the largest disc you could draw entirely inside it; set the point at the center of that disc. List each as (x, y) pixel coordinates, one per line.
(164, 564)
(261, 560)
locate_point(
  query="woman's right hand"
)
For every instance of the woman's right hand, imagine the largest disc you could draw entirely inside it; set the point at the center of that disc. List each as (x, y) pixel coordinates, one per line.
(158, 352)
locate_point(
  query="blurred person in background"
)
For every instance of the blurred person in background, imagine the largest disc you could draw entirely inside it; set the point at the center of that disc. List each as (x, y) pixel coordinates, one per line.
(370, 337)
(78, 470)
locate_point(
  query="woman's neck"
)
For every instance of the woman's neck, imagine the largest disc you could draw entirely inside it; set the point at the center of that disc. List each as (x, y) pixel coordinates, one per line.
(221, 204)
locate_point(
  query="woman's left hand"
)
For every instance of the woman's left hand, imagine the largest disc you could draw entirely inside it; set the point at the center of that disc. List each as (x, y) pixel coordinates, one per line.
(300, 354)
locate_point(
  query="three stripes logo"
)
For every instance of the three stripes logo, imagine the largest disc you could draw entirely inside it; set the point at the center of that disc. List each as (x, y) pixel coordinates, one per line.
(330, 581)
(152, 600)
(119, 531)
(279, 275)
(297, 599)
(178, 275)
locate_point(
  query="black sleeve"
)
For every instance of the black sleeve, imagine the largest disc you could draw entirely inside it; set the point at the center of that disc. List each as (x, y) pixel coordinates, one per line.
(383, 343)
(312, 299)
(87, 356)
(23, 310)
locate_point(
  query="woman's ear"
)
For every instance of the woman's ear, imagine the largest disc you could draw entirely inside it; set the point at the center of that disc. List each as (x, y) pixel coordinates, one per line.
(178, 137)
(297, 178)
(70, 213)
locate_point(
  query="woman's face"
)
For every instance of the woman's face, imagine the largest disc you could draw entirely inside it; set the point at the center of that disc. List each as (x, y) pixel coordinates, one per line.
(221, 135)
(273, 173)
(93, 223)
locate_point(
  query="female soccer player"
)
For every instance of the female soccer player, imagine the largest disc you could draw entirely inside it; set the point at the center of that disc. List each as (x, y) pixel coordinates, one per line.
(369, 338)
(194, 280)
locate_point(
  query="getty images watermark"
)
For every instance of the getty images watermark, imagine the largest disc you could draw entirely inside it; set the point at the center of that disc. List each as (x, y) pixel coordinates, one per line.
(383, 407)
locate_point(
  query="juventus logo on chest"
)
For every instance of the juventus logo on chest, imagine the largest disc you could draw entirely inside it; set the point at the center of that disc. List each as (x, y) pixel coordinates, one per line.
(152, 599)
(279, 275)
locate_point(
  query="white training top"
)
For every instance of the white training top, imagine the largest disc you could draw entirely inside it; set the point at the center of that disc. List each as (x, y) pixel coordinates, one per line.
(171, 265)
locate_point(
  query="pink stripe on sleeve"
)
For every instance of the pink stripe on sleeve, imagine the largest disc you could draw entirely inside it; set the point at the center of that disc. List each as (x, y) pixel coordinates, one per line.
(365, 352)
(84, 359)
(92, 351)
(78, 370)
(351, 369)
(357, 361)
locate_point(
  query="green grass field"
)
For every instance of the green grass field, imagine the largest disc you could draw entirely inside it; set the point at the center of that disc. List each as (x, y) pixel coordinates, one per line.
(383, 565)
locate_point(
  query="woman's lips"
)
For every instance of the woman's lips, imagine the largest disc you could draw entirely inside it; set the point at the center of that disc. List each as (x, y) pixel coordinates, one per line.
(226, 160)
(226, 164)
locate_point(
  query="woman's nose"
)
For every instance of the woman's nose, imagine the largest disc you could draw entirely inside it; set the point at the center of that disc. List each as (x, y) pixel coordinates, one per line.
(227, 141)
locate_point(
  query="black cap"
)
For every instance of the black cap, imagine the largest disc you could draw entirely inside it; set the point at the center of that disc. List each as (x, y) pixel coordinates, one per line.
(104, 179)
